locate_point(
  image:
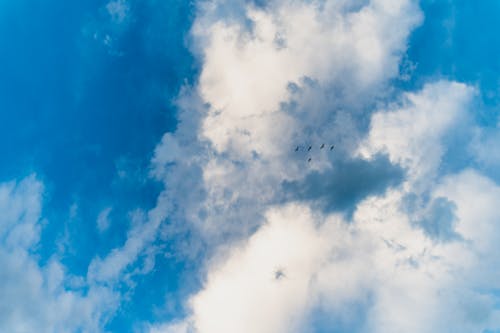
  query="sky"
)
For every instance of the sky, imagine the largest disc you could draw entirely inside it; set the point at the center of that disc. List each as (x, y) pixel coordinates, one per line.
(155, 174)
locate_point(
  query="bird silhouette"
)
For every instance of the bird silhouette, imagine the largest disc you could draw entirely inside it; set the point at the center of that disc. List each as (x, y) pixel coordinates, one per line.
(297, 148)
(310, 147)
(322, 146)
(279, 274)
(331, 148)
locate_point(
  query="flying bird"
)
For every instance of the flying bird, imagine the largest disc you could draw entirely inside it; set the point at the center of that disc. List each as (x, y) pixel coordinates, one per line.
(310, 147)
(309, 160)
(322, 146)
(279, 274)
(331, 148)
(297, 148)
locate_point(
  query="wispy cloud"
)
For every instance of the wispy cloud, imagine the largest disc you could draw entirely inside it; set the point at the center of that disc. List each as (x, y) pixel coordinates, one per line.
(41, 298)
(103, 219)
(119, 10)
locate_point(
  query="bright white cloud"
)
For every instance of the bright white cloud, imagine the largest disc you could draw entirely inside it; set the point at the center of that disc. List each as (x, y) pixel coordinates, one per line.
(383, 261)
(412, 133)
(264, 286)
(296, 72)
(247, 71)
(405, 281)
(290, 73)
(424, 285)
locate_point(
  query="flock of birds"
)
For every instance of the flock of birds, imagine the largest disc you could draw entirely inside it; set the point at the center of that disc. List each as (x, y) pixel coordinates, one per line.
(279, 273)
(309, 148)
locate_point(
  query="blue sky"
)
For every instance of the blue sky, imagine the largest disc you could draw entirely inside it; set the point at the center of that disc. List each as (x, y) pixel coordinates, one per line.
(148, 180)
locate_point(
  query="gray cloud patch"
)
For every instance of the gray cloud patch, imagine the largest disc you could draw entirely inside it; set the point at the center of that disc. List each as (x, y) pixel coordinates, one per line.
(352, 318)
(439, 220)
(348, 182)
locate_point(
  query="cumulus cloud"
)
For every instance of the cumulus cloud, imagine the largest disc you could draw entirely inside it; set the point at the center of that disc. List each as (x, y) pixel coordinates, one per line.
(413, 133)
(244, 294)
(404, 281)
(386, 270)
(247, 71)
(407, 258)
(274, 76)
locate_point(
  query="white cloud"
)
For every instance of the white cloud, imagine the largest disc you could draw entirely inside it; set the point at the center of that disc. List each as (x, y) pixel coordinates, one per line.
(383, 261)
(298, 72)
(403, 280)
(422, 285)
(244, 294)
(35, 298)
(484, 147)
(115, 266)
(170, 328)
(247, 72)
(20, 206)
(412, 133)
(475, 197)
(329, 60)
(287, 74)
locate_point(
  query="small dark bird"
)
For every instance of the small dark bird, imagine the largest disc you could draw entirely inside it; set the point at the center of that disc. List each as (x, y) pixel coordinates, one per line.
(279, 274)
(309, 160)
(297, 148)
(322, 146)
(310, 147)
(331, 148)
